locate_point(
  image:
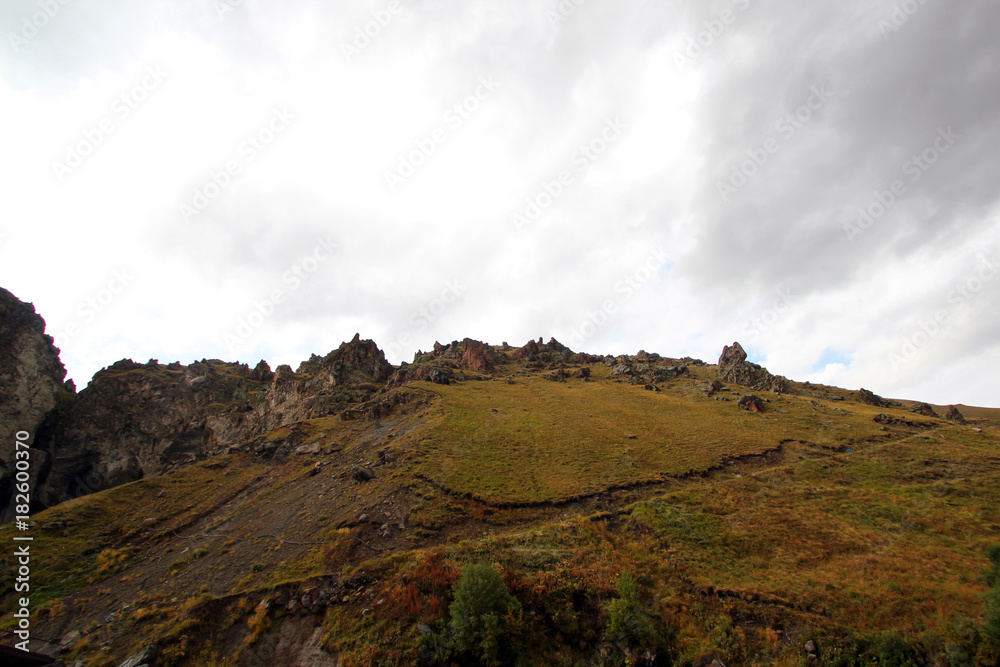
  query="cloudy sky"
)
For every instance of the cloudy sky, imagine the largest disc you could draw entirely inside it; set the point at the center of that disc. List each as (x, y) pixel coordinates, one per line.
(247, 179)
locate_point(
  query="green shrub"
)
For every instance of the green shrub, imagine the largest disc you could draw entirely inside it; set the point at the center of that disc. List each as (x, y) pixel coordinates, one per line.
(895, 651)
(629, 624)
(481, 614)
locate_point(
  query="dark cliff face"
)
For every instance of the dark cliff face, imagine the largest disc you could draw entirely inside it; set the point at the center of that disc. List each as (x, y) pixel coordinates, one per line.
(31, 395)
(136, 420)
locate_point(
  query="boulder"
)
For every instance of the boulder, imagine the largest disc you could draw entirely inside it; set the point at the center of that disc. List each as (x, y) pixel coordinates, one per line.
(751, 403)
(735, 369)
(924, 409)
(870, 398)
(362, 474)
(731, 354)
(955, 416)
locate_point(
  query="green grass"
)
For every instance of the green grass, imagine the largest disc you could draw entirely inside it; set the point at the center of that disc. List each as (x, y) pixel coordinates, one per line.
(537, 441)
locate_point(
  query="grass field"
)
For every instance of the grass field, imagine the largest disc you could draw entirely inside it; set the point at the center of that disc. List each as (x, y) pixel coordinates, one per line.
(542, 441)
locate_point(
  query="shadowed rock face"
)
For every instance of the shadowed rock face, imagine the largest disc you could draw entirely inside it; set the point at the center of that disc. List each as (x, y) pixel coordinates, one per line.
(31, 392)
(136, 420)
(734, 368)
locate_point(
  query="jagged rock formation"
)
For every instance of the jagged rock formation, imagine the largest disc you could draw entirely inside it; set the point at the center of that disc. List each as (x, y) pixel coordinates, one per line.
(734, 368)
(870, 398)
(924, 409)
(552, 352)
(645, 368)
(751, 403)
(31, 394)
(955, 416)
(468, 354)
(135, 420)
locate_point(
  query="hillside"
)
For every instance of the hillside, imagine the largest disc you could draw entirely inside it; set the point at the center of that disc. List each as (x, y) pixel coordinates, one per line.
(324, 516)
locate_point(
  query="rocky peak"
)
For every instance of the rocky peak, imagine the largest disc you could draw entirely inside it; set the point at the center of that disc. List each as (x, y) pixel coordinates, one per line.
(734, 368)
(31, 392)
(353, 363)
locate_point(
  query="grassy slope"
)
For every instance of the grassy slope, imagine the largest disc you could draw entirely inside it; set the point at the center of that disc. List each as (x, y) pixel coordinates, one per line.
(826, 543)
(538, 440)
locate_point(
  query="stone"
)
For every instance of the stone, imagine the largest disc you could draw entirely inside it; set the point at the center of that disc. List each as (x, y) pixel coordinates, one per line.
(311, 448)
(735, 369)
(924, 409)
(810, 648)
(362, 474)
(751, 403)
(143, 657)
(870, 398)
(731, 354)
(955, 416)
(69, 640)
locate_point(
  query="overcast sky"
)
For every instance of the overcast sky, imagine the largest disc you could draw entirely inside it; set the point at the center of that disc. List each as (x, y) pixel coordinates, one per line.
(247, 180)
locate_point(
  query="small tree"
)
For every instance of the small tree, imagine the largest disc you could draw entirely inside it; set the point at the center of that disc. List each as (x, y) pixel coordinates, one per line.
(629, 624)
(480, 613)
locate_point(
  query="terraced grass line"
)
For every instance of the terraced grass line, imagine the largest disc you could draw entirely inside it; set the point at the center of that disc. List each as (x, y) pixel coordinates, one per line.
(538, 441)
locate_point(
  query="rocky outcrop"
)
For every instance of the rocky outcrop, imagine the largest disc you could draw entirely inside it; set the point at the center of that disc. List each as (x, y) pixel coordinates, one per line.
(735, 369)
(469, 354)
(32, 393)
(955, 416)
(552, 352)
(139, 419)
(419, 373)
(751, 403)
(646, 372)
(924, 409)
(869, 398)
